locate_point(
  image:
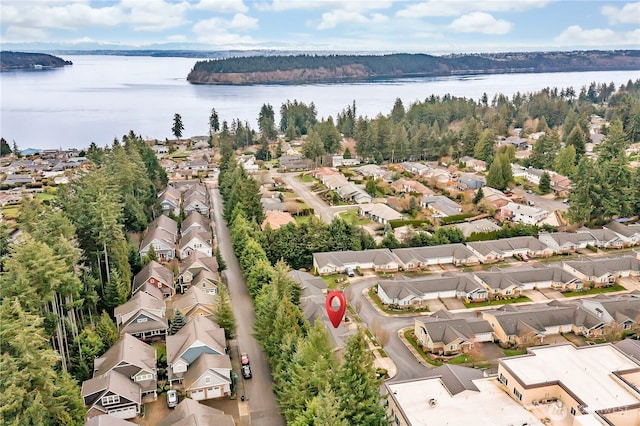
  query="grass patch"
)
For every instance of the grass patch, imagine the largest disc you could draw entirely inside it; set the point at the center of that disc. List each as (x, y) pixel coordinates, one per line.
(514, 352)
(352, 217)
(305, 178)
(10, 212)
(179, 155)
(596, 290)
(497, 302)
(302, 219)
(161, 349)
(414, 343)
(334, 280)
(382, 353)
(43, 196)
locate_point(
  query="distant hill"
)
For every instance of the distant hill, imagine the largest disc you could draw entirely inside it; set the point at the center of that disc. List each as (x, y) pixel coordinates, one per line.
(314, 68)
(25, 61)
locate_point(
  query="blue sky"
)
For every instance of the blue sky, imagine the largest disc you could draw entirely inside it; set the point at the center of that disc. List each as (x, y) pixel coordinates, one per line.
(432, 26)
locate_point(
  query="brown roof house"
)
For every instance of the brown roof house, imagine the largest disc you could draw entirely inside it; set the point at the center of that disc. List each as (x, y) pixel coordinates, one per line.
(156, 275)
(192, 413)
(194, 302)
(208, 377)
(190, 266)
(144, 315)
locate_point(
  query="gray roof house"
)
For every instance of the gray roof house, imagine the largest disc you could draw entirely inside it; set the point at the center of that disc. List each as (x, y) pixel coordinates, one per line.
(295, 162)
(208, 377)
(604, 237)
(337, 261)
(162, 233)
(630, 235)
(405, 291)
(604, 270)
(157, 275)
(106, 420)
(198, 336)
(496, 250)
(144, 315)
(192, 413)
(195, 240)
(111, 393)
(194, 302)
(564, 242)
(192, 264)
(195, 220)
(441, 205)
(381, 213)
(450, 335)
(132, 358)
(420, 257)
(351, 192)
(529, 278)
(170, 200)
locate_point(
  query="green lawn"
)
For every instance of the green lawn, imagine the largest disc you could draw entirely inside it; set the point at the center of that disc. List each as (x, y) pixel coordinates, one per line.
(514, 352)
(351, 217)
(302, 219)
(596, 290)
(334, 280)
(10, 212)
(376, 299)
(497, 302)
(305, 178)
(43, 196)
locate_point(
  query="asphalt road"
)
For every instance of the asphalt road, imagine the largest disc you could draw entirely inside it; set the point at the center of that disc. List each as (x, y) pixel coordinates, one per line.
(321, 208)
(549, 204)
(407, 364)
(258, 390)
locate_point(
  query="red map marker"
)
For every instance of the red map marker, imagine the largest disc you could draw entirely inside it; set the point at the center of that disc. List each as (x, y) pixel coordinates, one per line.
(336, 315)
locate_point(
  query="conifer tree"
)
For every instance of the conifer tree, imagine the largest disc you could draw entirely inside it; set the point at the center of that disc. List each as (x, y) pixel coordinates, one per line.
(177, 322)
(223, 314)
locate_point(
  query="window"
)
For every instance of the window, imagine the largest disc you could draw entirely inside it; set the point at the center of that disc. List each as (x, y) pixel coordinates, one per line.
(143, 377)
(517, 394)
(503, 379)
(452, 347)
(110, 399)
(179, 368)
(144, 319)
(207, 380)
(573, 411)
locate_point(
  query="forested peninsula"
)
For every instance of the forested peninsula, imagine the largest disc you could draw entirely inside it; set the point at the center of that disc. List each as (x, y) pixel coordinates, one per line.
(29, 61)
(327, 68)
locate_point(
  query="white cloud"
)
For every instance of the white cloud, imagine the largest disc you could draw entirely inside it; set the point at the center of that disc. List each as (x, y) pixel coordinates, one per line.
(480, 22)
(155, 15)
(628, 14)
(18, 33)
(334, 5)
(455, 8)
(216, 31)
(222, 5)
(177, 37)
(336, 17)
(59, 15)
(575, 35)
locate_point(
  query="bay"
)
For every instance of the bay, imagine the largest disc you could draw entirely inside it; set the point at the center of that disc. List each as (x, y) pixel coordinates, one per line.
(100, 98)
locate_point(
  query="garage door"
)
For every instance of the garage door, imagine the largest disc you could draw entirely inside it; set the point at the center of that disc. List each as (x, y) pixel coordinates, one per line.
(197, 395)
(215, 392)
(124, 413)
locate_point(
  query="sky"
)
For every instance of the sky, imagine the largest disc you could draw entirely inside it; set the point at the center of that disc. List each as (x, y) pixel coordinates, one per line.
(432, 26)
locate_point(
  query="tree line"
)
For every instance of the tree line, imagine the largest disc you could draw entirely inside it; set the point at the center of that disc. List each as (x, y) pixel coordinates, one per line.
(312, 386)
(73, 263)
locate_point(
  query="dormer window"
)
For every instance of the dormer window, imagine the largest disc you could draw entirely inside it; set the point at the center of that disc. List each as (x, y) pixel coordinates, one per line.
(110, 399)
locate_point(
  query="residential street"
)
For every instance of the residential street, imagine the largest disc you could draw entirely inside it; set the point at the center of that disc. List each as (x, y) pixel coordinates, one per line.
(262, 405)
(303, 190)
(547, 202)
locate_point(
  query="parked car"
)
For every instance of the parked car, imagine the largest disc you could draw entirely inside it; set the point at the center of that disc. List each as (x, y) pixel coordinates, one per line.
(350, 272)
(246, 371)
(244, 358)
(172, 398)
(531, 203)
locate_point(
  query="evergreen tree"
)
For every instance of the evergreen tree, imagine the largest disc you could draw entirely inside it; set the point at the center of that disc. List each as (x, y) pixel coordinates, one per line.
(347, 153)
(545, 183)
(495, 177)
(479, 196)
(322, 410)
(5, 149)
(177, 322)
(223, 314)
(107, 330)
(576, 139)
(214, 122)
(485, 148)
(267, 122)
(357, 387)
(177, 127)
(33, 392)
(221, 263)
(565, 161)
(390, 241)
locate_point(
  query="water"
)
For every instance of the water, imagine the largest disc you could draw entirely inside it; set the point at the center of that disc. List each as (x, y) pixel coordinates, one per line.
(103, 97)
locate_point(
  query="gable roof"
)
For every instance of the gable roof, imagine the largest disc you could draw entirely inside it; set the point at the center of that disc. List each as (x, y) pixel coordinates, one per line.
(602, 266)
(622, 229)
(339, 258)
(106, 420)
(140, 301)
(199, 329)
(204, 363)
(192, 413)
(423, 254)
(403, 287)
(199, 258)
(457, 378)
(442, 203)
(195, 218)
(534, 318)
(129, 350)
(158, 234)
(166, 223)
(112, 381)
(193, 297)
(195, 234)
(507, 244)
(153, 269)
(382, 211)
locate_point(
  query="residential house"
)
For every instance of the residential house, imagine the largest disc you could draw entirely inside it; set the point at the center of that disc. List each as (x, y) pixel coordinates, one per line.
(111, 393)
(144, 315)
(530, 324)
(477, 226)
(190, 266)
(566, 242)
(313, 304)
(161, 234)
(208, 377)
(195, 240)
(192, 413)
(380, 213)
(337, 261)
(131, 358)
(528, 215)
(156, 275)
(197, 337)
(248, 163)
(206, 281)
(160, 150)
(272, 204)
(17, 179)
(195, 220)
(604, 271)
(629, 234)
(276, 220)
(333, 181)
(451, 335)
(106, 420)
(196, 198)
(408, 186)
(467, 181)
(613, 311)
(471, 163)
(371, 170)
(340, 161)
(351, 192)
(518, 171)
(534, 175)
(516, 141)
(415, 168)
(498, 285)
(414, 258)
(497, 250)
(294, 162)
(604, 238)
(495, 198)
(194, 302)
(169, 201)
(437, 177)
(561, 185)
(404, 291)
(440, 205)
